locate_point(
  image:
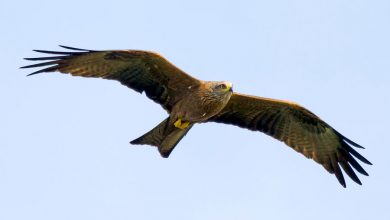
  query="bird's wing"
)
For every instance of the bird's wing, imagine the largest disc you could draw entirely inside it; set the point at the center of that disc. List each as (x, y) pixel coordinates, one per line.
(142, 71)
(298, 128)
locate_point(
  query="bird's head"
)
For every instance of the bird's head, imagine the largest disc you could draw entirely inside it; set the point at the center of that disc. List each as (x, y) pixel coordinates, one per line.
(220, 91)
(222, 87)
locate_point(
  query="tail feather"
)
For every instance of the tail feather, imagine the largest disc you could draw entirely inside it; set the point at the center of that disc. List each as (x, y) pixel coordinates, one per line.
(155, 136)
(171, 140)
(165, 136)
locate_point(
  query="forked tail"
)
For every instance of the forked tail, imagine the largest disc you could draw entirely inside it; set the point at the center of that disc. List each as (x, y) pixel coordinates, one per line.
(165, 136)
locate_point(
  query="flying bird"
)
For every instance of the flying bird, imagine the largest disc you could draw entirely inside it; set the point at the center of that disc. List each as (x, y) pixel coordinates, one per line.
(189, 101)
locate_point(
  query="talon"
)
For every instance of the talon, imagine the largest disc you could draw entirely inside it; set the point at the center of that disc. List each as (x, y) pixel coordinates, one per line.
(180, 124)
(177, 123)
(185, 124)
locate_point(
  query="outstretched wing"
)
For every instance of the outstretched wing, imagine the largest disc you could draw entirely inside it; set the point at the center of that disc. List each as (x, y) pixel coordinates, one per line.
(298, 128)
(139, 70)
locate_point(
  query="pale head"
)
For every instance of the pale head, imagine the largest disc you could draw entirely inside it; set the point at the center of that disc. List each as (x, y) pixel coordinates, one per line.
(220, 91)
(222, 87)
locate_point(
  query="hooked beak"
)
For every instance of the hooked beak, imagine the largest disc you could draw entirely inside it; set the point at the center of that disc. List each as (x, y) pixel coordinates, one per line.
(229, 87)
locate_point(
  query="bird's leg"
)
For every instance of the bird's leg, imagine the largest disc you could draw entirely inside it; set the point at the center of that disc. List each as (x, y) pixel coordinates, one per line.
(185, 124)
(181, 124)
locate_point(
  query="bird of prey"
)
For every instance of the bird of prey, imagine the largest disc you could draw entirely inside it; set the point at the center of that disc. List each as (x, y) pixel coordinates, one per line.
(189, 101)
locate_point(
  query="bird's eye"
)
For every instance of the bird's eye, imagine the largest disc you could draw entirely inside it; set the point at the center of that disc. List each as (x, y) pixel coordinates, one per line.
(221, 86)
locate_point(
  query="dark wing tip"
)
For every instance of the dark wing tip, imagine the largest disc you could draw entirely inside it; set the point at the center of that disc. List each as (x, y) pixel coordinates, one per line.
(343, 184)
(41, 64)
(57, 61)
(355, 153)
(58, 52)
(345, 158)
(47, 58)
(34, 73)
(53, 66)
(353, 143)
(79, 51)
(74, 48)
(348, 140)
(346, 145)
(349, 171)
(49, 69)
(333, 167)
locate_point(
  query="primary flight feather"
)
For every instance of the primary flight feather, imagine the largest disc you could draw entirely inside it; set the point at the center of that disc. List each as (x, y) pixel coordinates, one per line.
(189, 101)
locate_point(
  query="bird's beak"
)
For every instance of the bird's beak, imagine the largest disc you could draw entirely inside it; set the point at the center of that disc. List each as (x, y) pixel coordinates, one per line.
(229, 87)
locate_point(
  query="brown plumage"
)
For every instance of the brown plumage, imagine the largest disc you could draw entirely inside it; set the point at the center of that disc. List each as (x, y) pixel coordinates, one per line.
(189, 101)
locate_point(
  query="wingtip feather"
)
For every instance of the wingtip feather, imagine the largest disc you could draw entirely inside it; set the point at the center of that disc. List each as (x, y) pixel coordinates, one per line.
(348, 140)
(34, 73)
(73, 48)
(334, 166)
(349, 171)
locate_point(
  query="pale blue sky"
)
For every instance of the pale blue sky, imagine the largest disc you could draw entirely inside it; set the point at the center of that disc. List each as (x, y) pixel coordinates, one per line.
(64, 151)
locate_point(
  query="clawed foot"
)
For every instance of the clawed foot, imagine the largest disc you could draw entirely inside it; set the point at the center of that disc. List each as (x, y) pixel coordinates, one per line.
(181, 124)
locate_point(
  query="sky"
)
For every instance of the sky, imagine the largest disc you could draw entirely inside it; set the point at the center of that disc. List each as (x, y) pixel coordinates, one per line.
(65, 151)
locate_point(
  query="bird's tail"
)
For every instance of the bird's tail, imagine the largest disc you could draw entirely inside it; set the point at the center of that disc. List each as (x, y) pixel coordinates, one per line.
(165, 136)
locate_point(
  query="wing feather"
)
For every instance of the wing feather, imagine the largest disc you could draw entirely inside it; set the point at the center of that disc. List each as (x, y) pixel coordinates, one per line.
(298, 128)
(141, 71)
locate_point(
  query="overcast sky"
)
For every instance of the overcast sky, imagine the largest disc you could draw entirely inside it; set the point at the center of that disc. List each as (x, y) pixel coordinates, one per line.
(64, 141)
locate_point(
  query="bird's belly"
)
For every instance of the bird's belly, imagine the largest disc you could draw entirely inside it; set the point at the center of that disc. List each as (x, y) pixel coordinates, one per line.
(197, 109)
(202, 114)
